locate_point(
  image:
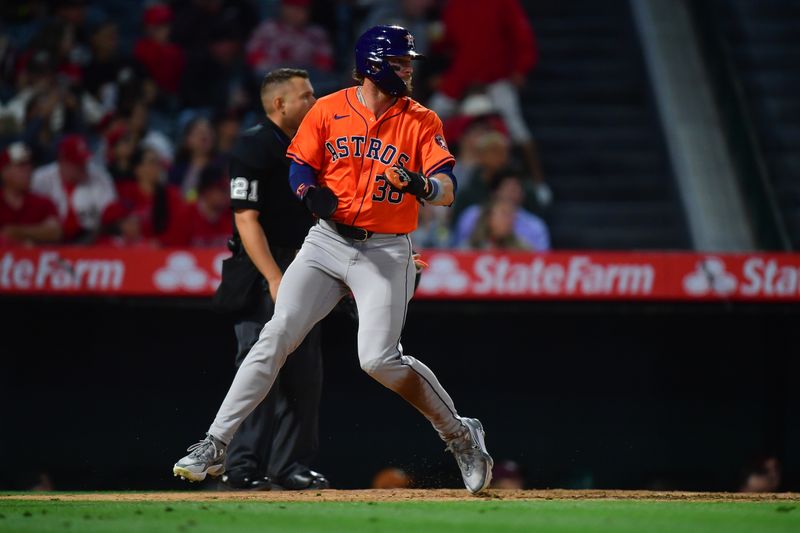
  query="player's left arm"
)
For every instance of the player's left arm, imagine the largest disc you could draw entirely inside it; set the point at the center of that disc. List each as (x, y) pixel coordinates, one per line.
(437, 189)
(435, 183)
(446, 183)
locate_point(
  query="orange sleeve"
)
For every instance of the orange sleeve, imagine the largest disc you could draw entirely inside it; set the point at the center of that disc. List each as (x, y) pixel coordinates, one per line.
(308, 145)
(433, 148)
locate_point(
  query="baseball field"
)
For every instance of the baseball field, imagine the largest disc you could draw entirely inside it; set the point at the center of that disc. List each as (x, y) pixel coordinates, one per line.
(400, 510)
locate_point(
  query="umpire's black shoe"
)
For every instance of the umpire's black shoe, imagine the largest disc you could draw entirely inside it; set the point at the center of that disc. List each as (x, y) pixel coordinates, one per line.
(233, 481)
(307, 480)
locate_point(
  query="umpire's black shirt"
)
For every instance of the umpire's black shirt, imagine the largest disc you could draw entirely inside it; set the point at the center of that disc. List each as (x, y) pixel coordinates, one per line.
(259, 172)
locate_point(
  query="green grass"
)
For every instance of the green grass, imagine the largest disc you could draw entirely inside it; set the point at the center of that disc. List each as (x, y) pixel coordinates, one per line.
(585, 516)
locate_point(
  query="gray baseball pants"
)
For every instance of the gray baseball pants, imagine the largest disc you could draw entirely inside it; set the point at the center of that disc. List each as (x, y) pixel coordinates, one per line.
(380, 273)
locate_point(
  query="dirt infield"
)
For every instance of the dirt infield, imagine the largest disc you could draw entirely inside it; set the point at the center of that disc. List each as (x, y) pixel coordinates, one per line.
(402, 495)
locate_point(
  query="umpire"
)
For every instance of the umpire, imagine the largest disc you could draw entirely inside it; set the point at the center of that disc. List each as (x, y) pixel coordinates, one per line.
(277, 442)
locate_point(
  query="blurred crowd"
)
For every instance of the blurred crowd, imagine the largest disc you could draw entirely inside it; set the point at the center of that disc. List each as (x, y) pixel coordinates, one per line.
(117, 118)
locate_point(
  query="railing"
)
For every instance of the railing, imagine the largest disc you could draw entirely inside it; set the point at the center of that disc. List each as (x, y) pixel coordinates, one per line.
(746, 150)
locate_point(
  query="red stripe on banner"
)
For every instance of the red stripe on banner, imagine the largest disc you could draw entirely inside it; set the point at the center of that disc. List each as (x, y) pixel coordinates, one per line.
(451, 275)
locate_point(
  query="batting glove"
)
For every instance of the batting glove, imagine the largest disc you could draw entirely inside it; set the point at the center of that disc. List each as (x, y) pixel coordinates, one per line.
(320, 201)
(409, 181)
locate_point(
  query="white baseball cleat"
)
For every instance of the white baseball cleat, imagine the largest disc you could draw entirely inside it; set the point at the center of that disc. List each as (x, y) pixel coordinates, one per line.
(206, 457)
(472, 457)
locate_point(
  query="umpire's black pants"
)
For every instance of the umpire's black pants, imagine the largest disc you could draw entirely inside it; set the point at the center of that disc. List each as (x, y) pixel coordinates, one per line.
(281, 437)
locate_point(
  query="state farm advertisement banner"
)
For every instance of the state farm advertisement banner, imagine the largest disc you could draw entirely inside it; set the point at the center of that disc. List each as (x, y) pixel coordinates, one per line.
(450, 274)
(110, 271)
(610, 276)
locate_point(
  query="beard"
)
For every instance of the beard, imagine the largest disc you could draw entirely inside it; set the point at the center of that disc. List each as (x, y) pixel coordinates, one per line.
(409, 85)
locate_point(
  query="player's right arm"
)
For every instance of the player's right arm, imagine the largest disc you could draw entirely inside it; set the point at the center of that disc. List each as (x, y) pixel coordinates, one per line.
(306, 155)
(321, 201)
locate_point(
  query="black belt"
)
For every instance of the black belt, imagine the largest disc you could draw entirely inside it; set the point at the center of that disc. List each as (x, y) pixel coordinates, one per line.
(353, 232)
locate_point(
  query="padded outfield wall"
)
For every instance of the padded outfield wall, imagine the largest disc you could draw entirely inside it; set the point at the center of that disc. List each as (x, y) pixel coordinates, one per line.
(106, 392)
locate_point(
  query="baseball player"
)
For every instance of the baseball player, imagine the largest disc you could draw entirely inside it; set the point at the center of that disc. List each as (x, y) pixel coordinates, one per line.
(277, 441)
(363, 160)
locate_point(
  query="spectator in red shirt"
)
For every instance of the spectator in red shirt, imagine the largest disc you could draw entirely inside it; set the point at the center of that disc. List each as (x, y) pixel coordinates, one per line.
(163, 60)
(492, 47)
(148, 210)
(80, 188)
(209, 218)
(487, 42)
(290, 40)
(25, 217)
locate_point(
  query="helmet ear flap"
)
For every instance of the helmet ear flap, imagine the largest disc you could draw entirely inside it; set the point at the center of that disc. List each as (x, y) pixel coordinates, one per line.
(374, 64)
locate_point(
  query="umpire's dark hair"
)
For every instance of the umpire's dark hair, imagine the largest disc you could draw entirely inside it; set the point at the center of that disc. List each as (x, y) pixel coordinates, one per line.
(281, 75)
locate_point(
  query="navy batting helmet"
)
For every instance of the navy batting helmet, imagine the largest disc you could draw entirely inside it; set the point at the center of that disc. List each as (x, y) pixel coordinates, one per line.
(375, 46)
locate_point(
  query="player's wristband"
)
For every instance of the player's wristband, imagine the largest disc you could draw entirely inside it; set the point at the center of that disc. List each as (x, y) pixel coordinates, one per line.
(436, 192)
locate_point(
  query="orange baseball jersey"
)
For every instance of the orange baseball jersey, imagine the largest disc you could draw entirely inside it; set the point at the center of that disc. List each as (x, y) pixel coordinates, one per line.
(350, 149)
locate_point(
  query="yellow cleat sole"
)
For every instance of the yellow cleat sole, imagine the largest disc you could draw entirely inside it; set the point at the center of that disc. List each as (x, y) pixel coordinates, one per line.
(194, 476)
